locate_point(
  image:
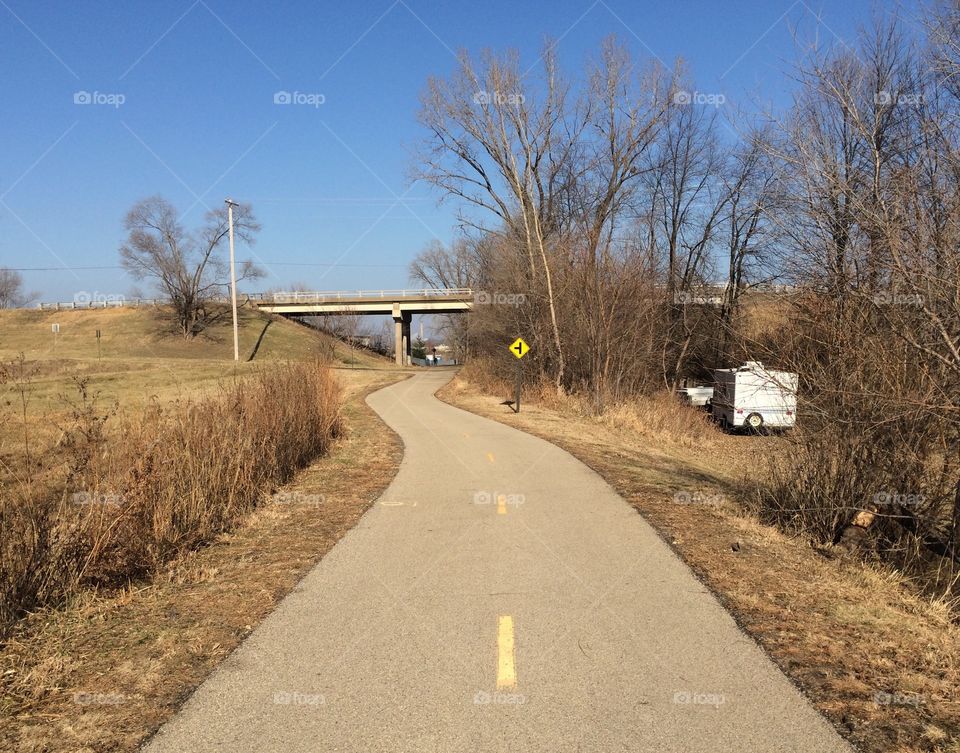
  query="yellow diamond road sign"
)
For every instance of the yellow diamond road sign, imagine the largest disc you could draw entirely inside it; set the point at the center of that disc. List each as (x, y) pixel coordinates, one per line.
(519, 348)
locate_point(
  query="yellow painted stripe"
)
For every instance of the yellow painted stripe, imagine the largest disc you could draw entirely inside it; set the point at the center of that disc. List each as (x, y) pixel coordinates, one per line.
(490, 457)
(501, 505)
(506, 670)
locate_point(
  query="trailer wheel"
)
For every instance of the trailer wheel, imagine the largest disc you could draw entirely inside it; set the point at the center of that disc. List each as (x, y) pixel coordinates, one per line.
(754, 422)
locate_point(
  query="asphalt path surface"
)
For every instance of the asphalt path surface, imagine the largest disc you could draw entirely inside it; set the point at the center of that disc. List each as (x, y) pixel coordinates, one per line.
(499, 596)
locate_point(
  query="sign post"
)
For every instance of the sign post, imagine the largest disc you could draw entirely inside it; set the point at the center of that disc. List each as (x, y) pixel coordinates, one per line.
(519, 348)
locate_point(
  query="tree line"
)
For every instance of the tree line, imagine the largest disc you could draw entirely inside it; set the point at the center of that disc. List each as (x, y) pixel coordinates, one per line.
(654, 237)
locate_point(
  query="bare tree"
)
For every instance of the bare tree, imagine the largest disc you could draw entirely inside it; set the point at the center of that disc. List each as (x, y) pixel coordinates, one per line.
(456, 266)
(185, 265)
(626, 107)
(440, 267)
(753, 188)
(688, 197)
(12, 294)
(871, 151)
(502, 145)
(558, 173)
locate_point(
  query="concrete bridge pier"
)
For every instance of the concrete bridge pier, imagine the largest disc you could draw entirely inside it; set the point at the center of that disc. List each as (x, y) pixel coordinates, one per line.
(402, 347)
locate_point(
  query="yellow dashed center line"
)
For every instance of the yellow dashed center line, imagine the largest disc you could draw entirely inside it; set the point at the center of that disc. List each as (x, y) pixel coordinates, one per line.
(501, 504)
(506, 670)
(490, 457)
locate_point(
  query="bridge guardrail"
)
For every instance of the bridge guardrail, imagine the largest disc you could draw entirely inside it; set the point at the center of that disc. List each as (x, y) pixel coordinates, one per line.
(291, 297)
(112, 303)
(347, 295)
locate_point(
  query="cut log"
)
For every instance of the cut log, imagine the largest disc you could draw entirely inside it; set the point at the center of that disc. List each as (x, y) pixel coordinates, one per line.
(852, 535)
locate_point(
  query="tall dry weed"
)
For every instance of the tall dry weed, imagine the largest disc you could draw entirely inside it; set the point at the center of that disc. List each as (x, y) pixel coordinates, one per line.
(123, 494)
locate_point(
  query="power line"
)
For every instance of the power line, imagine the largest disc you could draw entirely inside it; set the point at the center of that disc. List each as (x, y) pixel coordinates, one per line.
(264, 263)
(53, 269)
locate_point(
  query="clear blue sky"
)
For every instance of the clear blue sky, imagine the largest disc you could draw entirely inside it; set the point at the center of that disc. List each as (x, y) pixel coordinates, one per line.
(198, 121)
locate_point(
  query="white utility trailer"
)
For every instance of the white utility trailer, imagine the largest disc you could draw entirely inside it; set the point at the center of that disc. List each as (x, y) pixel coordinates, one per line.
(754, 397)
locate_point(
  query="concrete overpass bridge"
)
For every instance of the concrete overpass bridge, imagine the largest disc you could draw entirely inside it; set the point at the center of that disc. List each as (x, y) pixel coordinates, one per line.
(400, 304)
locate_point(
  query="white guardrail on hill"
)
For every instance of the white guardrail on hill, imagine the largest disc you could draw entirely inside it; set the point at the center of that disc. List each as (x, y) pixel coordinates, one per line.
(115, 301)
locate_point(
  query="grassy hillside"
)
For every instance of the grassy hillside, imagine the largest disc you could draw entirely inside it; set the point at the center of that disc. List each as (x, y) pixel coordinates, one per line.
(142, 357)
(149, 332)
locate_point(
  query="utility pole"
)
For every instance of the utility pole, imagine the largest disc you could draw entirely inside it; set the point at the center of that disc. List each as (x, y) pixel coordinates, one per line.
(233, 281)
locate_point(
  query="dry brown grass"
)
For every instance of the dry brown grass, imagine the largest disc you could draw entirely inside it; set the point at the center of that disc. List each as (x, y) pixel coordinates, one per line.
(878, 658)
(660, 417)
(108, 669)
(117, 494)
(905, 502)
